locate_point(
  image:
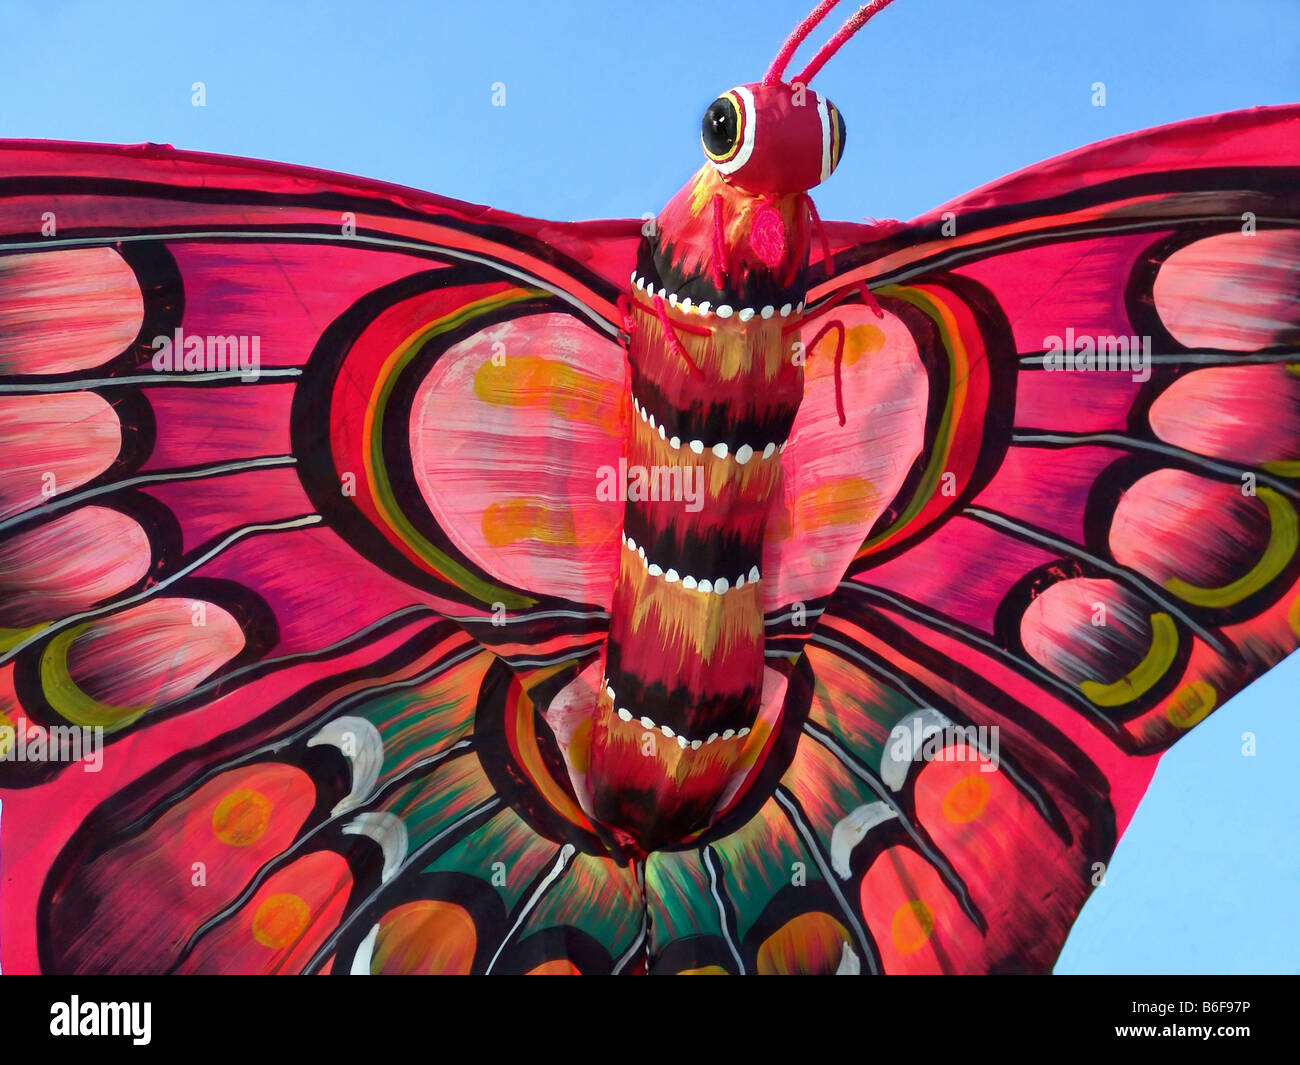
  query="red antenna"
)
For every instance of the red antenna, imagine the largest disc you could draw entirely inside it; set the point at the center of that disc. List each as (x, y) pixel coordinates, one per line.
(854, 23)
(795, 39)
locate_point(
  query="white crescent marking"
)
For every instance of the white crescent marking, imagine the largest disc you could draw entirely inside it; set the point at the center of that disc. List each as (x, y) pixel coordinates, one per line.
(747, 141)
(823, 112)
(362, 745)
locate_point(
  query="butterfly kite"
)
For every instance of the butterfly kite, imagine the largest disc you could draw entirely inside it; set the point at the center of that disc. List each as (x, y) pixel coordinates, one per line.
(394, 585)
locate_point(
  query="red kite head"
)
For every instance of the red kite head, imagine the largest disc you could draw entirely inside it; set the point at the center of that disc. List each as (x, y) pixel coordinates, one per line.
(776, 137)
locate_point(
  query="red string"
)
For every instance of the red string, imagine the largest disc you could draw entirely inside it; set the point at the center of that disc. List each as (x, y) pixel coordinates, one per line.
(869, 299)
(674, 345)
(681, 327)
(855, 23)
(795, 39)
(797, 322)
(830, 303)
(827, 258)
(719, 246)
(625, 304)
(839, 362)
(625, 309)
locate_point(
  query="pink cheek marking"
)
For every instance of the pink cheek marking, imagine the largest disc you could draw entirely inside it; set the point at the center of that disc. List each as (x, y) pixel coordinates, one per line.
(767, 236)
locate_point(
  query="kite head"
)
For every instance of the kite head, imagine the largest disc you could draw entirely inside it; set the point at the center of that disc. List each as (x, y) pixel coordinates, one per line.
(739, 232)
(778, 137)
(773, 139)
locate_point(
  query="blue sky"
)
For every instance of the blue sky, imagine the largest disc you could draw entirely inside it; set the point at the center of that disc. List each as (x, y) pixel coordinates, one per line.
(603, 102)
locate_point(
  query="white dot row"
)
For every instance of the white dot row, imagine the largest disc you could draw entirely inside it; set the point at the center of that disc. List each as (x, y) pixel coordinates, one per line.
(724, 310)
(741, 455)
(682, 742)
(720, 586)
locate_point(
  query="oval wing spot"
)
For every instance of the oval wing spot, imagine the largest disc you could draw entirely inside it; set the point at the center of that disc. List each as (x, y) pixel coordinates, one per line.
(66, 310)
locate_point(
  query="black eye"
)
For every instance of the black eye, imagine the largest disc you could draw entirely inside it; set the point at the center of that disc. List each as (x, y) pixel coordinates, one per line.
(721, 128)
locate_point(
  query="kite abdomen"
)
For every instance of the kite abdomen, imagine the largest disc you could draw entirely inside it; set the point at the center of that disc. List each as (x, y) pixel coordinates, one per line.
(712, 403)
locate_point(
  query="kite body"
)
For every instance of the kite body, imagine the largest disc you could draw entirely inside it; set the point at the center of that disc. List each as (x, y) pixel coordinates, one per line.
(716, 384)
(362, 526)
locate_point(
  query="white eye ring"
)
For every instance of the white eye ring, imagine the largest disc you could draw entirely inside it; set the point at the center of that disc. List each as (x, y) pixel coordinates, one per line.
(823, 112)
(733, 164)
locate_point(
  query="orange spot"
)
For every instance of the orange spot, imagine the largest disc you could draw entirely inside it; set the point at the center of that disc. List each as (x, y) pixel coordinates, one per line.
(241, 817)
(859, 341)
(580, 746)
(839, 502)
(523, 518)
(810, 944)
(912, 926)
(560, 967)
(550, 385)
(966, 799)
(1191, 704)
(705, 970)
(280, 920)
(429, 937)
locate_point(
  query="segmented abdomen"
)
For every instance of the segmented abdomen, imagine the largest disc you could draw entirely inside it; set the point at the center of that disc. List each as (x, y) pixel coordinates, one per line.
(713, 400)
